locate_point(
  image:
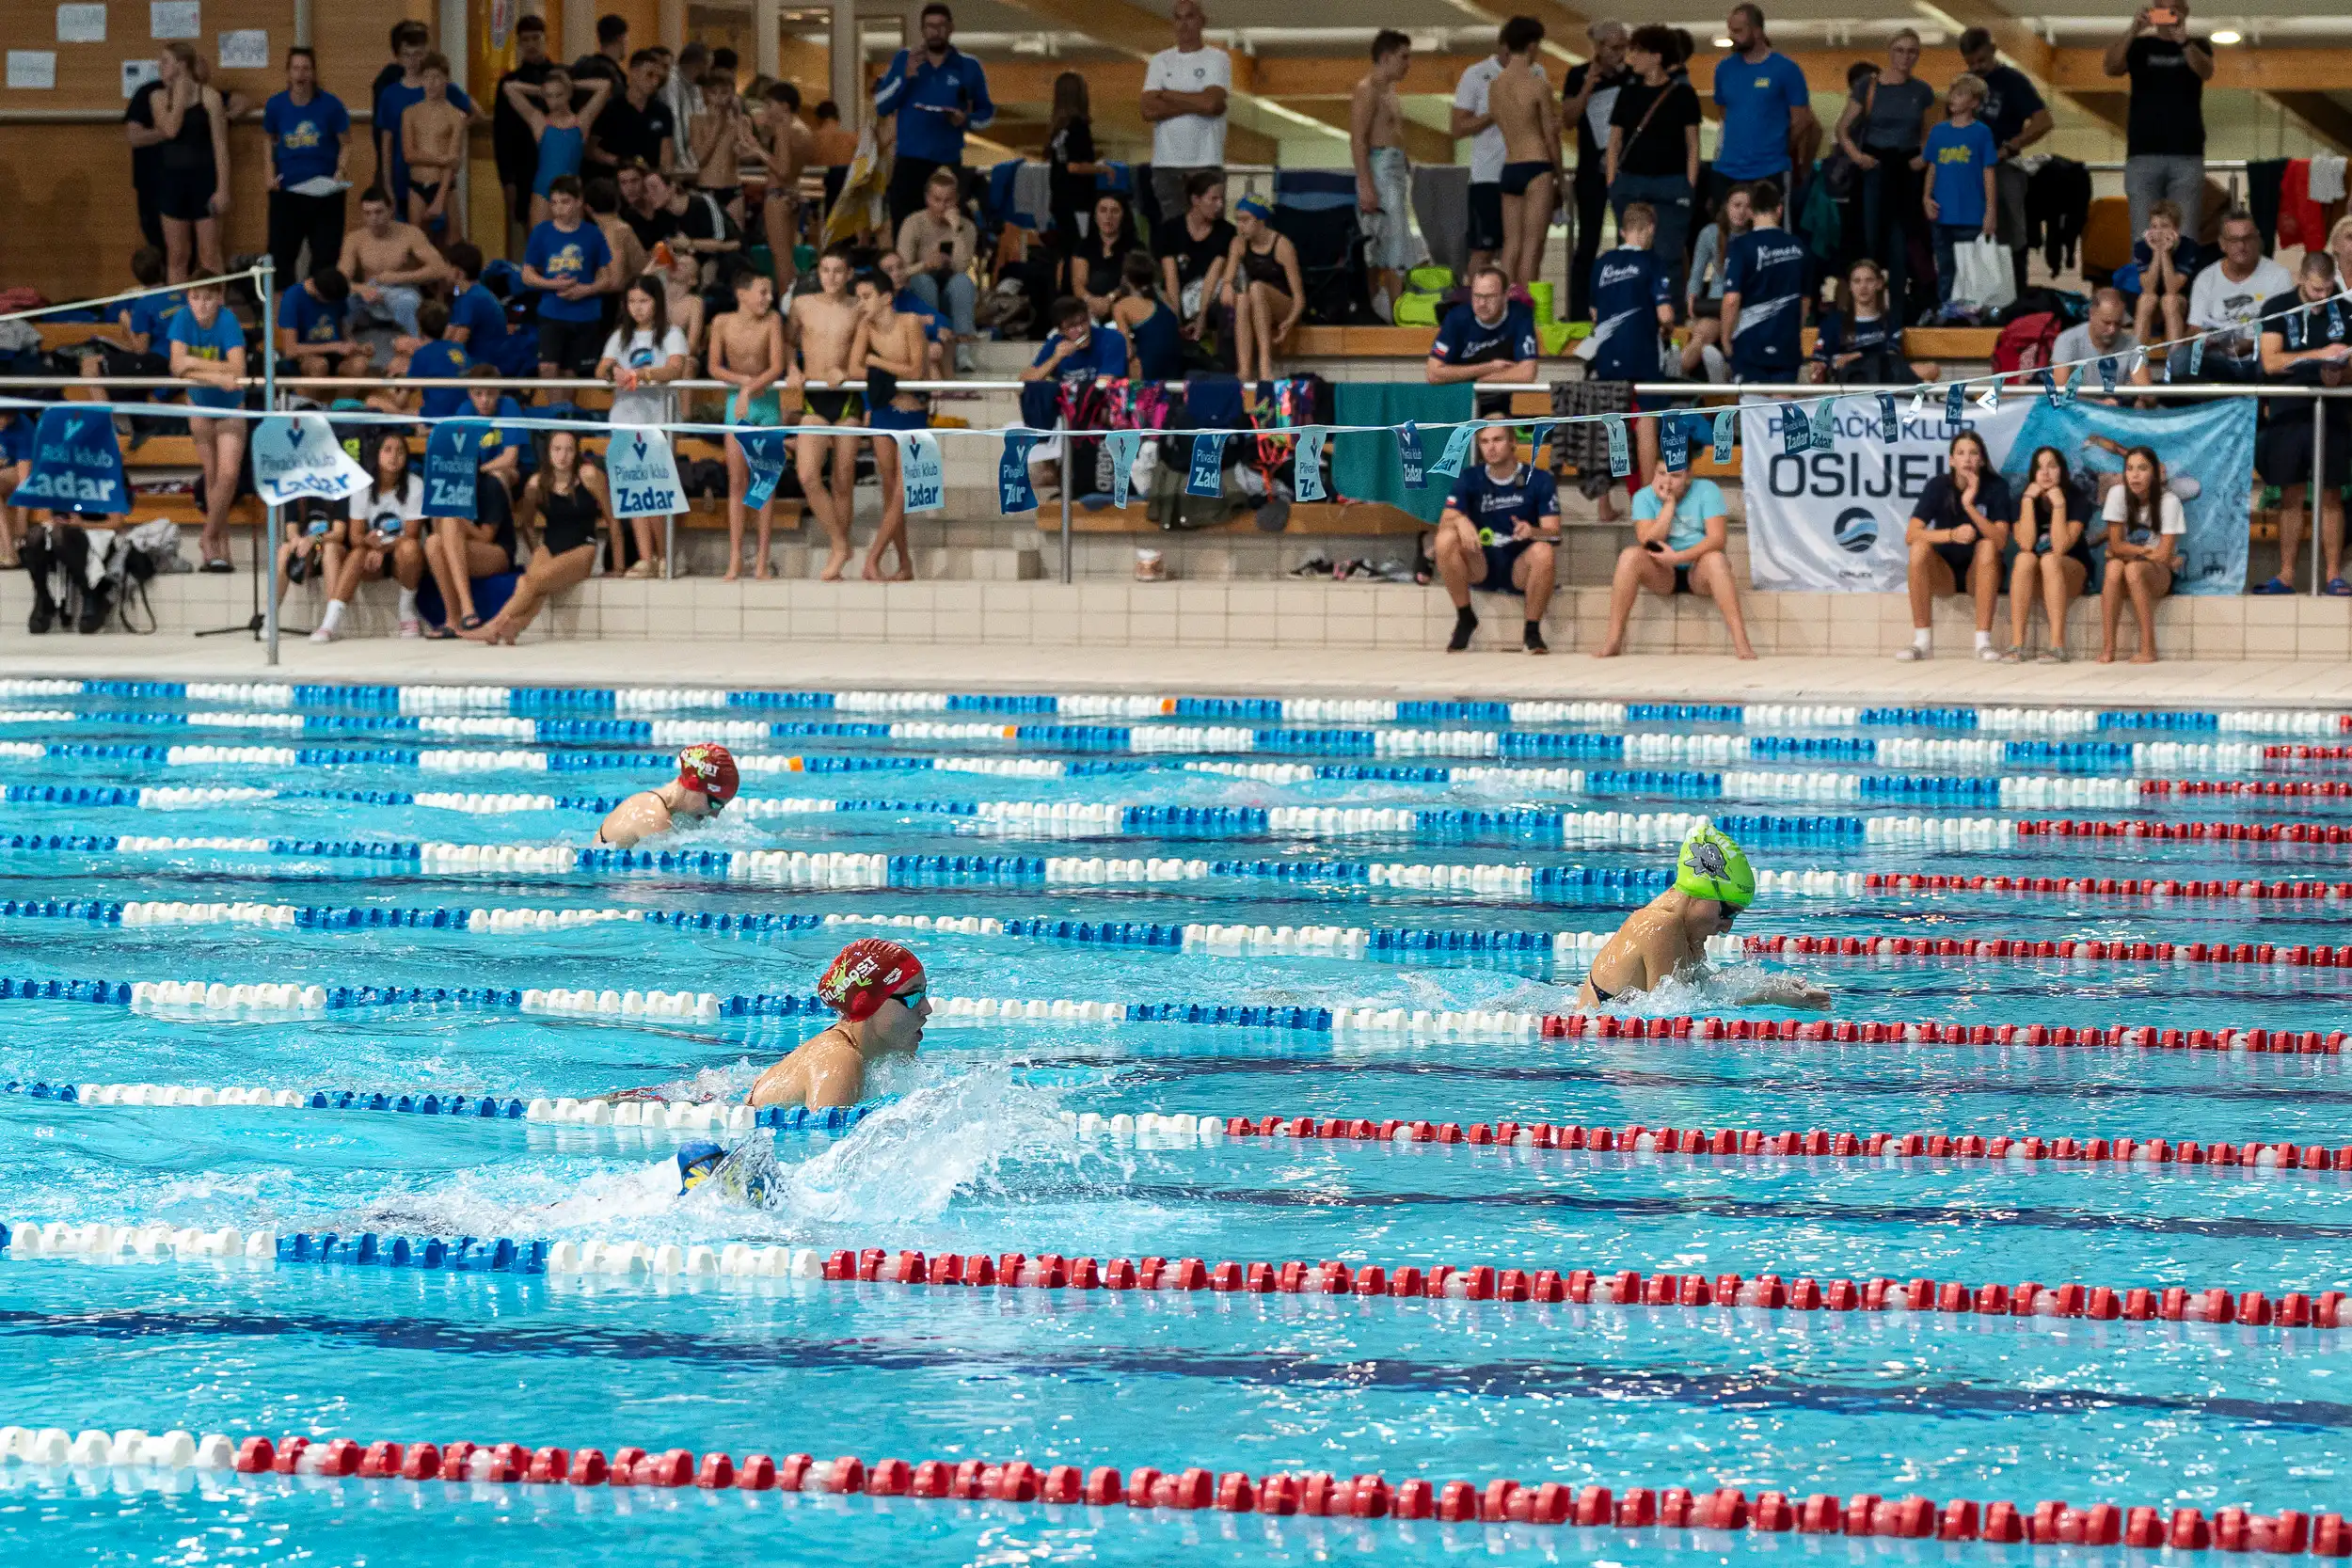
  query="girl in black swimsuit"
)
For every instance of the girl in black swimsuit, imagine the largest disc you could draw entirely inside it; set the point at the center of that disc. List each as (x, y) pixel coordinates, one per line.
(566, 500)
(194, 125)
(1263, 288)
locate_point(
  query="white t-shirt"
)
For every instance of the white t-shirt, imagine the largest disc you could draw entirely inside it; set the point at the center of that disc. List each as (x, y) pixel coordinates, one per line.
(1469, 96)
(2214, 301)
(386, 515)
(640, 353)
(2169, 517)
(1189, 141)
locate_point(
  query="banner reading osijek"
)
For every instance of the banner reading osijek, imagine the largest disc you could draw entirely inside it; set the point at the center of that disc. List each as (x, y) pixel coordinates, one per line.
(1829, 521)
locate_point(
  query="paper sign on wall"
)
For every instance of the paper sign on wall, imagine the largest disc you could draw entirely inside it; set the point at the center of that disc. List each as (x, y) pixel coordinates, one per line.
(245, 49)
(136, 74)
(175, 18)
(33, 69)
(82, 24)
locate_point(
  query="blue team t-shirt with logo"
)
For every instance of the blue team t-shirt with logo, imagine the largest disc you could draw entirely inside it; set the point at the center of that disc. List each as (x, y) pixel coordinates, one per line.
(484, 318)
(438, 361)
(1495, 506)
(1957, 156)
(310, 319)
(208, 343)
(1757, 100)
(499, 437)
(151, 317)
(16, 436)
(568, 256)
(306, 139)
(1104, 354)
(1768, 268)
(1628, 286)
(1464, 340)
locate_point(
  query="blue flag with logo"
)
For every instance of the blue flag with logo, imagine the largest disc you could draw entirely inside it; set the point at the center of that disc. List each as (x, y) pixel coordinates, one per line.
(1208, 465)
(2107, 373)
(923, 472)
(451, 468)
(1796, 431)
(1620, 459)
(1956, 404)
(1825, 425)
(1307, 472)
(1726, 421)
(2073, 384)
(1013, 492)
(1409, 458)
(763, 458)
(1124, 447)
(1674, 443)
(1457, 445)
(1890, 422)
(77, 465)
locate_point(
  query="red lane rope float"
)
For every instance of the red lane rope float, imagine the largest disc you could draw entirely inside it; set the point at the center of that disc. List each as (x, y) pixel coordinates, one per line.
(2258, 832)
(2310, 1042)
(2243, 786)
(2299, 955)
(1318, 1494)
(2139, 887)
(2308, 753)
(1754, 1143)
(1624, 1287)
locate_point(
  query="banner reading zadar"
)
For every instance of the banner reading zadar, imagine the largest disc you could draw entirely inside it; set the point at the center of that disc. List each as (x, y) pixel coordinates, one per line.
(1825, 521)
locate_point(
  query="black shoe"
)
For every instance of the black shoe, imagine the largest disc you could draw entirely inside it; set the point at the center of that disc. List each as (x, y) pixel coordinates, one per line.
(97, 604)
(44, 615)
(1534, 638)
(1464, 622)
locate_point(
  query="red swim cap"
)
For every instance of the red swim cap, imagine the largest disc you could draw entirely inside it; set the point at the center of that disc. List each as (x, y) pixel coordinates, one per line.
(867, 973)
(710, 771)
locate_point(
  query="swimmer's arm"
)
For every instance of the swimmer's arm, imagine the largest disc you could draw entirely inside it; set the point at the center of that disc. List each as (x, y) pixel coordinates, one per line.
(1788, 991)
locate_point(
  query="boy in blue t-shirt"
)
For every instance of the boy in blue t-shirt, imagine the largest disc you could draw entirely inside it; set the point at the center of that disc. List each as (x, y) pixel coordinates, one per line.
(568, 258)
(312, 339)
(1766, 273)
(477, 318)
(1960, 158)
(1498, 531)
(1633, 297)
(435, 359)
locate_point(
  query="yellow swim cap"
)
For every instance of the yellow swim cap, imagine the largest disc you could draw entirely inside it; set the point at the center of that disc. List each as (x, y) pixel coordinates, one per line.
(1712, 866)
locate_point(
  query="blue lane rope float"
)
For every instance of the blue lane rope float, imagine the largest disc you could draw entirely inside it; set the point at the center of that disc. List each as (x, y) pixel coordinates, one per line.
(680, 1115)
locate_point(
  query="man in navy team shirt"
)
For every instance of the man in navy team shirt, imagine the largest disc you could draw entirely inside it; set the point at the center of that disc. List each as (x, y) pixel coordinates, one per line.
(1765, 273)
(477, 318)
(1489, 340)
(1498, 531)
(937, 92)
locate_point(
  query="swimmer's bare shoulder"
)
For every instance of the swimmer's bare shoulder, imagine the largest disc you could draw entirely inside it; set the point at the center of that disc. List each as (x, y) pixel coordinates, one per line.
(825, 1070)
(642, 815)
(1645, 951)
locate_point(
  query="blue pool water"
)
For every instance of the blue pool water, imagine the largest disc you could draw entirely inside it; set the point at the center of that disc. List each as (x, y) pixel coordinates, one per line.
(972, 1153)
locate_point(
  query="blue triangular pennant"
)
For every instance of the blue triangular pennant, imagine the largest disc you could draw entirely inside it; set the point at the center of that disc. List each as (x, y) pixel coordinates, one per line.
(1123, 446)
(1208, 465)
(1890, 422)
(1307, 469)
(1457, 446)
(1409, 458)
(1620, 459)
(1727, 427)
(1674, 442)
(1014, 490)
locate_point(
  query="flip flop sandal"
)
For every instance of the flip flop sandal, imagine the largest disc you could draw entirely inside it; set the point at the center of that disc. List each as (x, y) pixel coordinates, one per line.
(472, 623)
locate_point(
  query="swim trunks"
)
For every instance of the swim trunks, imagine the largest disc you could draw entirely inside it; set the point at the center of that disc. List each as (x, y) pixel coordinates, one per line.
(833, 407)
(763, 410)
(1518, 177)
(423, 192)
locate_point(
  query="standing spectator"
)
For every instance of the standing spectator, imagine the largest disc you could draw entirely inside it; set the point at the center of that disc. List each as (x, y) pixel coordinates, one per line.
(642, 355)
(1070, 151)
(1093, 271)
(1958, 198)
(721, 138)
(833, 147)
(2166, 262)
(1183, 99)
(2164, 139)
(1193, 252)
(568, 258)
(514, 140)
(207, 348)
(936, 94)
(1959, 527)
(682, 90)
(2143, 518)
(433, 143)
(788, 148)
(1589, 98)
(2225, 301)
(2014, 113)
(1470, 117)
(937, 243)
(2306, 340)
(558, 133)
(393, 101)
(602, 200)
(1653, 152)
(194, 194)
(303, 132)
(1768, 274)
(1520, 102)
(636, 124)
(1384, 175)
(1632, 294)
(1263, 286)
(147, 160)
(409, 38)
(608, 62)
(1884, 123)
(1768, 111)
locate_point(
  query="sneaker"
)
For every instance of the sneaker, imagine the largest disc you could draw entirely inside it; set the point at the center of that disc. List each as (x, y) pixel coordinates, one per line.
(323, 635)
(1989, 654)
(645, 567)
(2275, 586)
(1313, 566)
(1914, 655)
(412, 628)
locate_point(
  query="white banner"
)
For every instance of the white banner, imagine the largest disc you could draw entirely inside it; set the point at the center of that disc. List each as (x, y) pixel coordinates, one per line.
(643, 475)
(922, 472)
(1833, 521)
(298, 458)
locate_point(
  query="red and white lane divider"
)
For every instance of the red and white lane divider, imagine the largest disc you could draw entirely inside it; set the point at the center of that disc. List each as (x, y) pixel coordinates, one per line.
(2137, 887)
(2307, 788)
(2140, 1036)
(1314, 1494)
(2299, 956)
(2261, 832)
(2034, 1153)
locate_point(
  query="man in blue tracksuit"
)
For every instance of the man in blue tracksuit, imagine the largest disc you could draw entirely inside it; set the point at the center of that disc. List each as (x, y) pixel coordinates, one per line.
(938, 93)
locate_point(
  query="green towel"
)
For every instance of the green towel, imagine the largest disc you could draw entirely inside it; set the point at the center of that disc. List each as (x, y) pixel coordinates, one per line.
(1364, 467)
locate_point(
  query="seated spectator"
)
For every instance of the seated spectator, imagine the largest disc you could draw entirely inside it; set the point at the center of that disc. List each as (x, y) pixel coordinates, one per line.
(2100, 335)
(1768, 275)
(2225, 300)
(1490, 340)
(565, 501)
(1263, 288)
(2164, 261)
(1139, 312)
(2304, 343)
(1500, 531)
(1860, 341)
(702, 228)
(1194, 251)
(311, 339)
(458, 551)
(434, 359)
(1681, 525)
(2052, 554)
(139, 324)
(208, 349)
(1079, 354)
(16, 467)
(2142, 518)
(477, 319)
(937, 243)
(568, 259)
(1092, 265)
(1958, 527)
(389, 265)
(386, 536)
(318, 534)
(61, 547)
(1702, 346)
(1960, 158)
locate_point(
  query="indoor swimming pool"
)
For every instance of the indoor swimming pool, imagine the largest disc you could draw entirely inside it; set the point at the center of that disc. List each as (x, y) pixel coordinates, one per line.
(308, 989)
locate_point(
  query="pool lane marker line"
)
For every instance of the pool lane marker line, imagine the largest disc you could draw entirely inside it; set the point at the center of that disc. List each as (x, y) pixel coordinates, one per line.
(632, 1259)
(674, 1115)
(2295, 955)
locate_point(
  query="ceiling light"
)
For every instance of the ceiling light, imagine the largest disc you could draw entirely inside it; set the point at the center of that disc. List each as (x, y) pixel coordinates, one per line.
(2228, 35)
(1723, 43)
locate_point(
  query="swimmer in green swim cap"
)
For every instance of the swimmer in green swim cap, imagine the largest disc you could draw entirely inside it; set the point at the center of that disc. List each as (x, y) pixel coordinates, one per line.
(1666, 938)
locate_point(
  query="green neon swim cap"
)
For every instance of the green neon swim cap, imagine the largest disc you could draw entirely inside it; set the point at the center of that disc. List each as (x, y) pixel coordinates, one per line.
(1712, 866)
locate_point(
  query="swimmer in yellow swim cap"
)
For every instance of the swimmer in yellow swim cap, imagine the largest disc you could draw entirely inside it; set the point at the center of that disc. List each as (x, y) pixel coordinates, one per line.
(1666, 938)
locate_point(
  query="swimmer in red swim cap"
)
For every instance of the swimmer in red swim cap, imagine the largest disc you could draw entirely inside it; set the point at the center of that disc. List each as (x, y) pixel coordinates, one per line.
(879, 988)
(706, 780)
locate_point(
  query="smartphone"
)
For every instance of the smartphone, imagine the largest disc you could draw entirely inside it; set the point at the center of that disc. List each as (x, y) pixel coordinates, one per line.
(1655, 548)
(2163, 16)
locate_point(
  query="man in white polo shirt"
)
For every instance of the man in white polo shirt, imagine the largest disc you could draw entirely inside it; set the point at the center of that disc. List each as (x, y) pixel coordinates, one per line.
(1183, 99)
(1471, 119)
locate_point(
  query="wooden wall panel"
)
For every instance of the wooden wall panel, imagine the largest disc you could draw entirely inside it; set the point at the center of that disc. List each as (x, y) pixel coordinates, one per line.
(89, 75)
(72, 224)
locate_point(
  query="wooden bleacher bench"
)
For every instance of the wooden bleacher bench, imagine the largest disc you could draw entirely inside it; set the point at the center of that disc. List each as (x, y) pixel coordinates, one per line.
(56, 335)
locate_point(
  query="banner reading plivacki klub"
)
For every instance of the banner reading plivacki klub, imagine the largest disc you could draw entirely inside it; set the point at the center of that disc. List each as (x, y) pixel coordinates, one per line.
(643, 474)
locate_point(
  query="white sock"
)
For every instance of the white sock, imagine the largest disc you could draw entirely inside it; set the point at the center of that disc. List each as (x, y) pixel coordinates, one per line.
(334, 614)
(1984, 641)
(1922, 638)
(408, 604)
